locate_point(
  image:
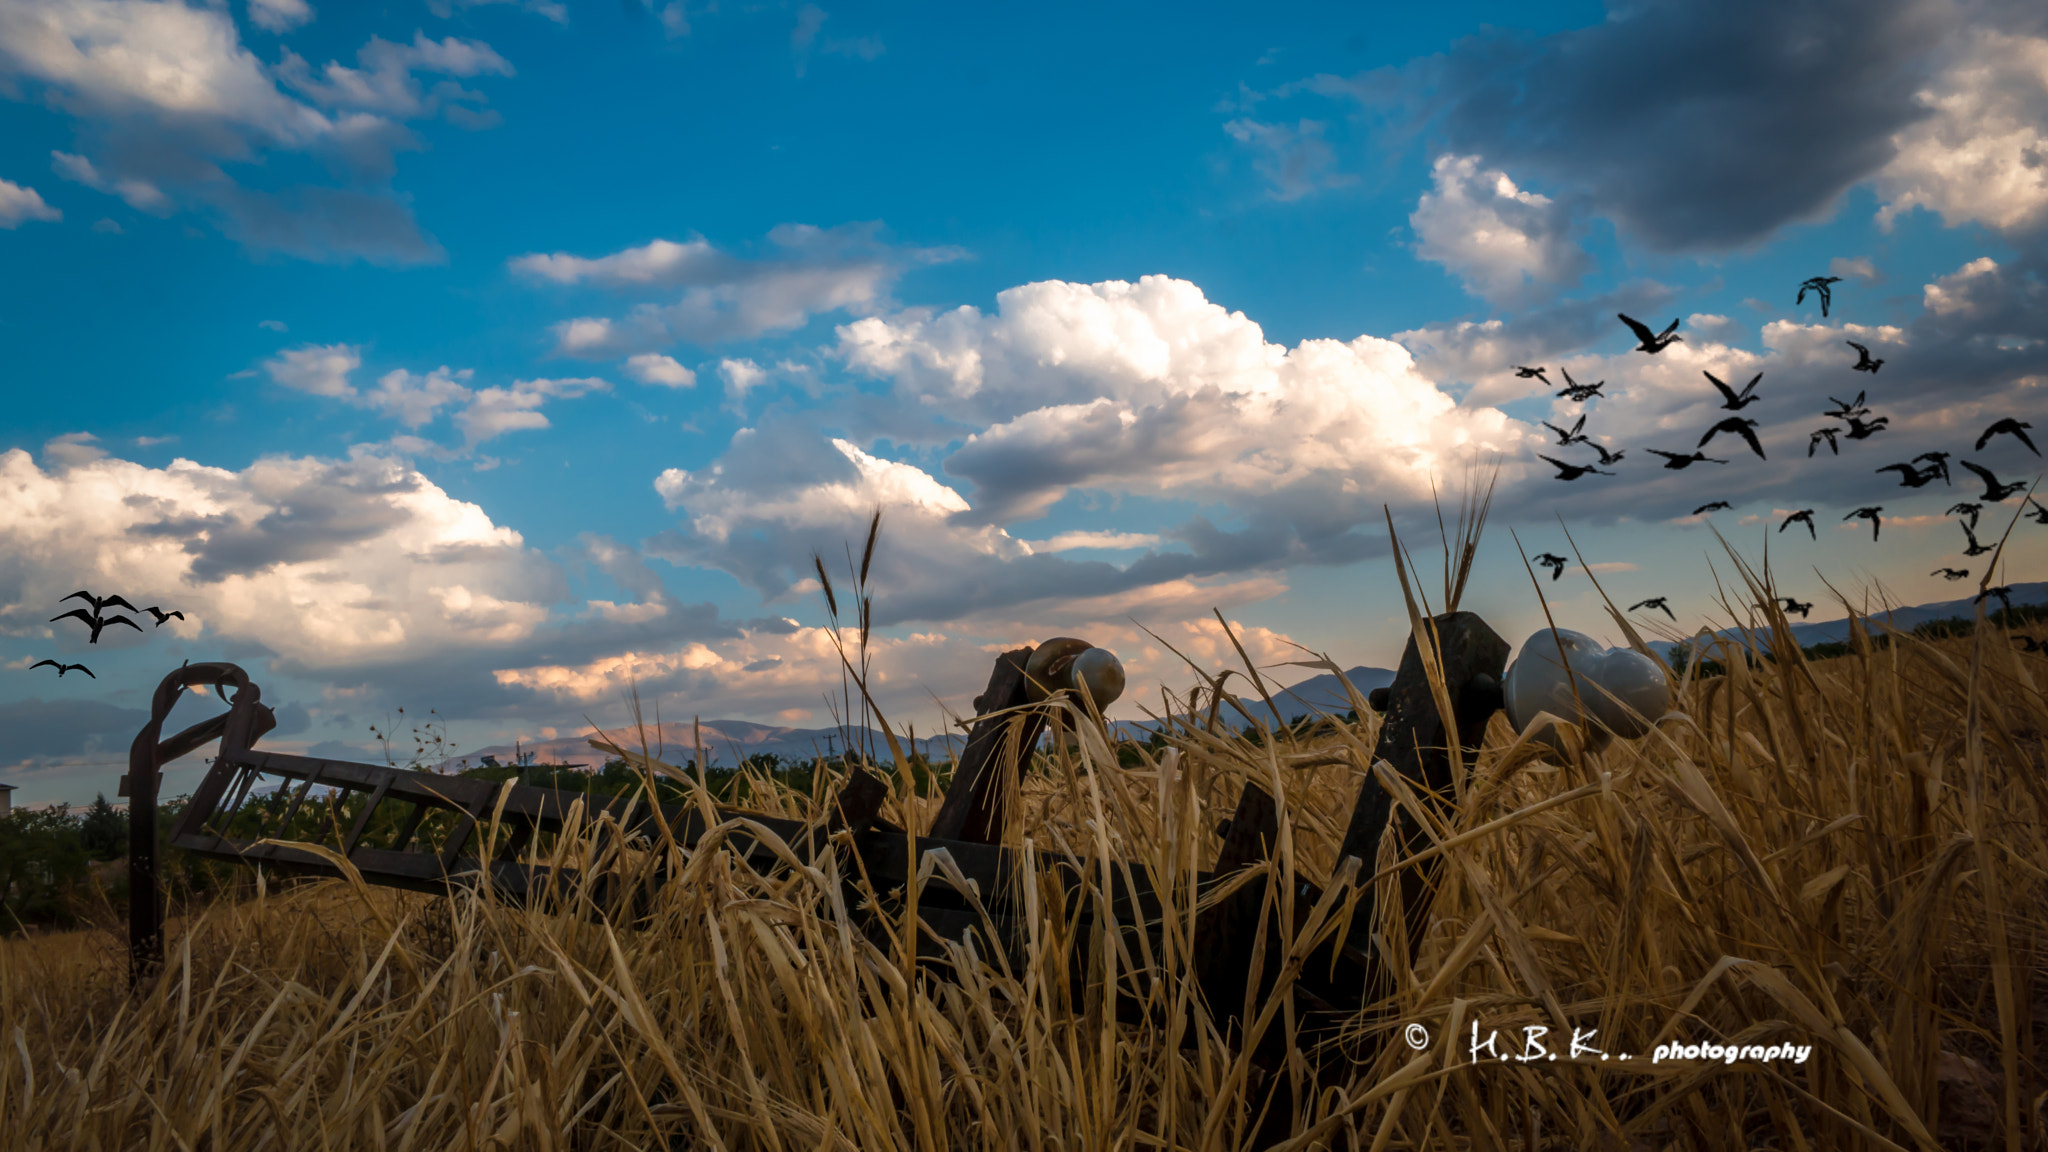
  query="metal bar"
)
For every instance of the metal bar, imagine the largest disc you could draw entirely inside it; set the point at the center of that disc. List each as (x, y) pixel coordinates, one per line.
(362, 824)
(298, 800)
(1415, 739)
(522, 834)
(411, 826)
(245, 779)
(456, 840)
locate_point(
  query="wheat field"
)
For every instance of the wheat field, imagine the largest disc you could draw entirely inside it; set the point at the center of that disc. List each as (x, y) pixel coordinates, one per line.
(1845, 854)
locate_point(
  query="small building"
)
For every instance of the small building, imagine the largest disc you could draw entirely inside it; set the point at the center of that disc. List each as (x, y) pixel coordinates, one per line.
(6, 799)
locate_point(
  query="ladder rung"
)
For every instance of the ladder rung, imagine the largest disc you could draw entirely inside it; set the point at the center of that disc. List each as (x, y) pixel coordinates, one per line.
(296, 801)
(411, 826)
(362, 823)
(516, 842)
(456, 840)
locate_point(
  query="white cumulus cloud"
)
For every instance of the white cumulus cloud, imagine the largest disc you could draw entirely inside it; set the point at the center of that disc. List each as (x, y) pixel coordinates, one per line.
(319, 369)
(1499, 239)
(655, 368)
(415, 399)
(1953, 293)
(18, 204)
(314, 560)
(279, 15)
(1981, 153)
(721, 296)
(1150, 388)
(166, 95)
(495, 411)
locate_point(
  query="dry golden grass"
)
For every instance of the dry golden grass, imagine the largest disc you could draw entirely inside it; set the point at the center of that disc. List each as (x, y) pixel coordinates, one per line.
(1847, 854)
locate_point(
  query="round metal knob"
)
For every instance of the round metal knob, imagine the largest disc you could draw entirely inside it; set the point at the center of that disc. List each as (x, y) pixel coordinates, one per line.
(1065, 662)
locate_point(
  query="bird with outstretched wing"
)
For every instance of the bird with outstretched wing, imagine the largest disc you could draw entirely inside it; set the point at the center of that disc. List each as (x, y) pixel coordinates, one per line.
(1732, 400)
(1648, 341)
(2008, 427)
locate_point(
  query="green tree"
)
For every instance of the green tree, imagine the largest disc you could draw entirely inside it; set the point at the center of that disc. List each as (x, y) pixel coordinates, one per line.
(103, 830)
(41, 860)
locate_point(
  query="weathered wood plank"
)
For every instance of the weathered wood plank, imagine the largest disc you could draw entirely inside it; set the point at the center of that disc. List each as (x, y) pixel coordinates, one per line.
(976, 801)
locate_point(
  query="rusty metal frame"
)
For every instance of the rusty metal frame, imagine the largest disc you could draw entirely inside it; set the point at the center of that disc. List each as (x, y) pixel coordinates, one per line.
(1337, 982)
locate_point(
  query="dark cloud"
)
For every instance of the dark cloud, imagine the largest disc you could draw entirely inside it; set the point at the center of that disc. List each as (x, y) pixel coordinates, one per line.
(338, 224)
(922, 580)
(341, 750)
(46, 729)
(1971, 357)
(1693, 126)
(292, 719)
(323, 511)
(170, 107)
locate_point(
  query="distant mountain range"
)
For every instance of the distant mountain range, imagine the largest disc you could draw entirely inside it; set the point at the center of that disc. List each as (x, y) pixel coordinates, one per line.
(726, 742)
(1904, 619)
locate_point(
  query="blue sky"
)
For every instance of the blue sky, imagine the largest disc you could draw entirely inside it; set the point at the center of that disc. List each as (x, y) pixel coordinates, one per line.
(487, 357)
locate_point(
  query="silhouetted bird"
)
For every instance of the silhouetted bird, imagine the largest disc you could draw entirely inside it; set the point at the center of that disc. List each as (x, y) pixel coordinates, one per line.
(1871, 514)
(1716, 506)
(62, 668)
(1817, 284)
(1910, 476)
(1937, 464)
(1859, 429)
(1740, 426)
(1803, 516)
(2040, 512)
(1966, 509)
(1574, 471)
(1607, 457)
(1976, 547)
(96, 623)
(1994, 492)
(1863, 361)
(1651, 342)
(1567, 439)
(1536, 373)
(1843, 411)
(1553, 562)
(2002, 591)
(1827, 434)
(162, 615)
(1655, 602)
(1951, 574)
(100, 603)
(1676, 462)
(1732, 400)
(2008, 427)
(1573, 390)
(1792, 605)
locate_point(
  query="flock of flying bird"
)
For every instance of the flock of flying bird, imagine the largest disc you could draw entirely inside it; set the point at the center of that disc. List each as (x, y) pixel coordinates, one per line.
(97, 620)
(1860, 425)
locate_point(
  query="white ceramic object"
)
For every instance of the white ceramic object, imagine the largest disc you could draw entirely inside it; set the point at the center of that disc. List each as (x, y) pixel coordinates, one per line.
(1624, 691)
(1067, 663)
(1102, 673)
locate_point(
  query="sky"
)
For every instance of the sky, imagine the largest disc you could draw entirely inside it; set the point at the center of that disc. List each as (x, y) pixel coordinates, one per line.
(494, 360)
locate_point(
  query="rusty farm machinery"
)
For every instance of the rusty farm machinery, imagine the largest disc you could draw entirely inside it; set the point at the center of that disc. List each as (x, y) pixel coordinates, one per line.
(434, 832)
